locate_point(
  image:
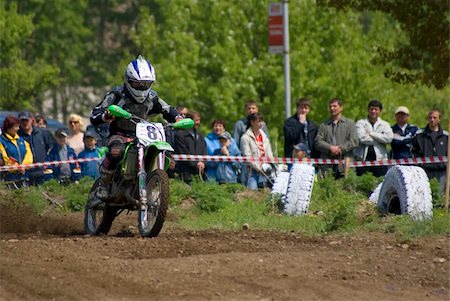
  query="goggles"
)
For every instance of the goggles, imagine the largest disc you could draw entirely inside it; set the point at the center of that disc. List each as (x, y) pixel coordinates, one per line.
(140, 85)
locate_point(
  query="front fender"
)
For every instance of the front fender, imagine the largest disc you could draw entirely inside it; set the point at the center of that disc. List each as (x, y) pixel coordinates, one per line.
(153, 150)
(161, 146)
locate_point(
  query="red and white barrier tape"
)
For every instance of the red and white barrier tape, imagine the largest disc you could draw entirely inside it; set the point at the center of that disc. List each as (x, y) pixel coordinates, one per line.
(181, 157)
(436, 159)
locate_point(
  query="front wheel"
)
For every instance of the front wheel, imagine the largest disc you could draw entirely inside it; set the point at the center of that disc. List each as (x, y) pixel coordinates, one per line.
(152, 219)
(98, 217)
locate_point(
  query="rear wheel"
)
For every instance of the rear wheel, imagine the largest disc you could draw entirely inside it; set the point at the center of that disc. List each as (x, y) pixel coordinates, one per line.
(98, 216)
(152, 219)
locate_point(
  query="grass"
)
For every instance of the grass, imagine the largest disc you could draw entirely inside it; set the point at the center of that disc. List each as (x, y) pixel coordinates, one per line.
(337, 206)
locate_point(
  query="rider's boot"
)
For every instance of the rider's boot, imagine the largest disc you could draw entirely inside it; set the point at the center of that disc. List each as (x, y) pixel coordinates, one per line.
(103, 191)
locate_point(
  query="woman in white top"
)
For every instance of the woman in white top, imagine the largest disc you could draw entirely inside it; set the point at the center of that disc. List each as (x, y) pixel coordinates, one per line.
(255, 143)
(75, 140)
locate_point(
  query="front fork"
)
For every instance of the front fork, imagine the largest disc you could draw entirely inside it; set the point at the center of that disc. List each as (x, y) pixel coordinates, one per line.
(142, 179)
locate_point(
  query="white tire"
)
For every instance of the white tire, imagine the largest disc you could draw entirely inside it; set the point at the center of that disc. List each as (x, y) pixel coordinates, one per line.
(406, 190)
(280, 185)
(375, 195)
(299, 190)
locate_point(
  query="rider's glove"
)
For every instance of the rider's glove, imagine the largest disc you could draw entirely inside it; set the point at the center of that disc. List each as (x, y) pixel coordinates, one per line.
(107, 116)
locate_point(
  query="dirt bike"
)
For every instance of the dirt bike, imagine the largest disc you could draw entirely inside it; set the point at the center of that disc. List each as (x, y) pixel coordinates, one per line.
(140, 182)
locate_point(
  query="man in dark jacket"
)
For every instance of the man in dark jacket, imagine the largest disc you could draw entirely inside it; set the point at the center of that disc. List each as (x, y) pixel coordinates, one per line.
(403, 134)
(432, 141)
(190, 142)
(300, 132)
(40, 140)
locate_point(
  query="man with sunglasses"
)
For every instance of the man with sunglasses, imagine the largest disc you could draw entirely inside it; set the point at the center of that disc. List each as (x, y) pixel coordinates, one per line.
(137, 97)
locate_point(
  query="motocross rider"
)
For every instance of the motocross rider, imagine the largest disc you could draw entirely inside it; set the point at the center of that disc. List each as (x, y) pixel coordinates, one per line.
(137, 97)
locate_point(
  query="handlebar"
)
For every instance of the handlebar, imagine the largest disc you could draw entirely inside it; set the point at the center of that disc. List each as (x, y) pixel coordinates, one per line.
(182, 124)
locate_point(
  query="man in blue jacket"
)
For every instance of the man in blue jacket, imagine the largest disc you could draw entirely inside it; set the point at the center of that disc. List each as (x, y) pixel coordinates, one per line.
(40, 141)
(403, 134)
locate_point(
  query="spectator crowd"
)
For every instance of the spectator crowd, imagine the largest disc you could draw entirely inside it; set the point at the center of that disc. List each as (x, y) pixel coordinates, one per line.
(24, 139)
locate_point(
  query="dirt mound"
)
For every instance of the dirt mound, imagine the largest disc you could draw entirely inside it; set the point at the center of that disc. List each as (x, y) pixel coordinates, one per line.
(16, 218)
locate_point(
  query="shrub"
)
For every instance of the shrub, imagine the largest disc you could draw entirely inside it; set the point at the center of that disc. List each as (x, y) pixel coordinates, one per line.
(210, 197)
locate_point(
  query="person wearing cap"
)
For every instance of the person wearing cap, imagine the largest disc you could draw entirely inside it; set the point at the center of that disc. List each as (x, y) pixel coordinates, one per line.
(432, 141)
(300, 132)
(60, 151)
(40, 140)
(219, 143)
(90, 168)
(403, 134)
(374, 135)
(15, 150)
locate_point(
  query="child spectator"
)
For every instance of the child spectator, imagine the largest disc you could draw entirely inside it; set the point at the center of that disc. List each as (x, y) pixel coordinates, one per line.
(39, 121)
(60, 151)
(90, 168)
(15, 150)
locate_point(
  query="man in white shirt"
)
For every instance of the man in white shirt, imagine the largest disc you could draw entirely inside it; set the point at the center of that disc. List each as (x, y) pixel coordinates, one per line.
(374, 134)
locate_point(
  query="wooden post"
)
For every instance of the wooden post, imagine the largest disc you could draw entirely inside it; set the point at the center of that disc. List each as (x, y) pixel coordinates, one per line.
(447, 182)
(346, 166)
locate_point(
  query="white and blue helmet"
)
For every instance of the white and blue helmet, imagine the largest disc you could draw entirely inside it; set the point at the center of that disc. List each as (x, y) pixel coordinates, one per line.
(139, 77)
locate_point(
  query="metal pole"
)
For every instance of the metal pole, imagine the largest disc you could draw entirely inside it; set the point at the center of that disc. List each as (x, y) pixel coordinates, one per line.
(287, 72)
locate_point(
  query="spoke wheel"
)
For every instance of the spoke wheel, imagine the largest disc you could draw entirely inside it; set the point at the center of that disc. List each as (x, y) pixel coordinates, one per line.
(98, 217)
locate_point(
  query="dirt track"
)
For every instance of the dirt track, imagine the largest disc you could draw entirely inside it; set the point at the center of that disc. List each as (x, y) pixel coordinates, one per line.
(47, 258)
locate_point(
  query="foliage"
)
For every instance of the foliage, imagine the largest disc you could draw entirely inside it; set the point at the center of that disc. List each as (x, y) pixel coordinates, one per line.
(335, 207)
(406, 229)
(436, 192)
(21, 79)
(212, 56)
(210, 197)
(426, 56)
(364, 184)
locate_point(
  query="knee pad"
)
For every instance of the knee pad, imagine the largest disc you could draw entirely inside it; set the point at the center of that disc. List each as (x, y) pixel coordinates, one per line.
(114, 155)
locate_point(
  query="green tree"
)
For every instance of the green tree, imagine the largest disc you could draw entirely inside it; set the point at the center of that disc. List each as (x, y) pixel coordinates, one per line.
(425, 56)
(21, 79)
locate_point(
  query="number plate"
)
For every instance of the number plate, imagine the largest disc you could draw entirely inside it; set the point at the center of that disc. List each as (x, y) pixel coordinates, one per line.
(148, 133)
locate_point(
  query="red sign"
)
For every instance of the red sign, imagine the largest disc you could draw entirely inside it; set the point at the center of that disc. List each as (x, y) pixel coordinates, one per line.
(275, 28)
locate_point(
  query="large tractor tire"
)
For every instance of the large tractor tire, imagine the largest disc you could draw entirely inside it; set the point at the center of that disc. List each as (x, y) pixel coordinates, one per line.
(406, 190)
(299, 189)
